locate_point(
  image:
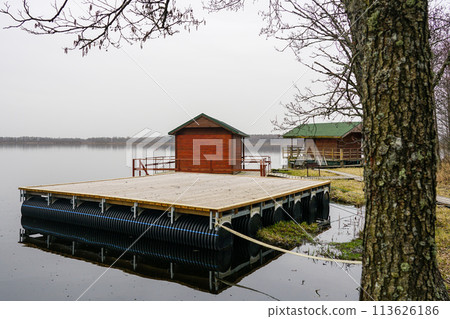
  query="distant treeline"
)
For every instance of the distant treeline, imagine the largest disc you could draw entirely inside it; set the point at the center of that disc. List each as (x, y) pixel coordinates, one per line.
(32, 140)
(97, 141)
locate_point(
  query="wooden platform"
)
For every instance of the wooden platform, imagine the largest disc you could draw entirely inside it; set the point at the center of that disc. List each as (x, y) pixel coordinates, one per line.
(194, 193)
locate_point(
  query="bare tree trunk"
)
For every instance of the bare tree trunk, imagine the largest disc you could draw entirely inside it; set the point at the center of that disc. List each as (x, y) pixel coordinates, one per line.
(436, 128)
(399, 261)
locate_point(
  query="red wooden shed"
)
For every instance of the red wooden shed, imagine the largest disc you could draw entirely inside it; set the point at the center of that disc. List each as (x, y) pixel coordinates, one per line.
(205, 144)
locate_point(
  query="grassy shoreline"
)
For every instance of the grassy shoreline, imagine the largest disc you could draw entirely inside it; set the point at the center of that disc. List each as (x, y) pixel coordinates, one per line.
(287, 234)
(351, 192)
(351, 250)
(347, 191)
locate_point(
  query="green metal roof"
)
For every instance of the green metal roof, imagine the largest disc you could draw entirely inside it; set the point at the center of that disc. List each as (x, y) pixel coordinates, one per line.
(220, 123)
(322, 130)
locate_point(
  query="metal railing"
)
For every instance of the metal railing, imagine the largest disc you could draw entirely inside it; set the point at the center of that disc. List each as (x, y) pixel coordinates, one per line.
(265, 164)
(143, 166)
(325, 154)
(150, 165)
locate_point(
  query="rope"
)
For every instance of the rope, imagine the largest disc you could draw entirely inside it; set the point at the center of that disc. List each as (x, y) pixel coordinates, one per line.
(357, 262)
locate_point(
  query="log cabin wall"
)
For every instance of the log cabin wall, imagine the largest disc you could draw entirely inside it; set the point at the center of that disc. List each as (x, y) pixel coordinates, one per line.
(326, 143)
(352, 140)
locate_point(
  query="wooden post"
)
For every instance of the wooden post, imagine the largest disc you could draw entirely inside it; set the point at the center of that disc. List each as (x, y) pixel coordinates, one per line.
(133, 165)
(342, 157)
(260, 168)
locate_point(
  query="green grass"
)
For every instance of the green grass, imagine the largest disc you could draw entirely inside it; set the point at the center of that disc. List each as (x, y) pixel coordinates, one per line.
(288, 234)
(347, 192)
(443, 182)
(342, 190)
(348, 251)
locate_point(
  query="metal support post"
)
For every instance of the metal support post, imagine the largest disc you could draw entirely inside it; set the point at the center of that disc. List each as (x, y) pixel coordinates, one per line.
(173, 215)
(216, 283)
(210, 281)
(134, 210)
(23, 195)
(74, 202)
(210, 220)
(103, 205)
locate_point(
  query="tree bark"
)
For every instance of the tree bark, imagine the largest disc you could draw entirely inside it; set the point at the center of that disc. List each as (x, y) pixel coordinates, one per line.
(399, 260)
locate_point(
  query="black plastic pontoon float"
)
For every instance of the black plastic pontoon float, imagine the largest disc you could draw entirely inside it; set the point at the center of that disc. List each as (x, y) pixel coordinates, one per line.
(193, 202)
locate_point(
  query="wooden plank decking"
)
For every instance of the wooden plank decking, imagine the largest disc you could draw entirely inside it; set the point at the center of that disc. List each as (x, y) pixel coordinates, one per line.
(186, 192)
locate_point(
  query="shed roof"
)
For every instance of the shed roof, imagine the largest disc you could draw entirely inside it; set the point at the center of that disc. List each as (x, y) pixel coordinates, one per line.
(324, 130)
(218, 122)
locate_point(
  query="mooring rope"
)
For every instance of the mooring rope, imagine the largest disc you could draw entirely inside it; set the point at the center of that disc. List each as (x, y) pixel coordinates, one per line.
(357, 262)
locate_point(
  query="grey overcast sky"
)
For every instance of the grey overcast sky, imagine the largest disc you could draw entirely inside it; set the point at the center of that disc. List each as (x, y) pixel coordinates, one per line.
(225, 69)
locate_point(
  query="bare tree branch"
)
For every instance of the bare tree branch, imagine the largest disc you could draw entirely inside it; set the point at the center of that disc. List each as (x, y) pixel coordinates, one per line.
(101, 23)
(441, 71)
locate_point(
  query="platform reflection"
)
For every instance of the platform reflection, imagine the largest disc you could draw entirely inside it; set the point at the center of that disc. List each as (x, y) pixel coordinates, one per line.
(205, 270)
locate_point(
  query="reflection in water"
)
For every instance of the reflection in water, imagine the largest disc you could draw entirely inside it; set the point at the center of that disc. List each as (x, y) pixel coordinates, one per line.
(205, 270)
(347, 222)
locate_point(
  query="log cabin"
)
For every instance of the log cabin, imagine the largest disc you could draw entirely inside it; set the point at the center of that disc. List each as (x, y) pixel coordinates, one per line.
(335, 142)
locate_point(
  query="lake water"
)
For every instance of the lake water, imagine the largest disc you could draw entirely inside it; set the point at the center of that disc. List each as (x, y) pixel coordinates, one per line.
(36, 270)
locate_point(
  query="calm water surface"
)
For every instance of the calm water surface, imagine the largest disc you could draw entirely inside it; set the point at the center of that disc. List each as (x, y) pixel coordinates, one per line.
(31, 271)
